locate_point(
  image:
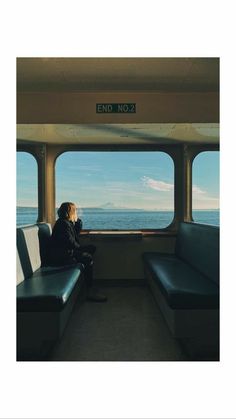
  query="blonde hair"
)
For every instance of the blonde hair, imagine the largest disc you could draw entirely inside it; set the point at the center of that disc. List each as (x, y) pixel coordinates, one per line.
(67, 210)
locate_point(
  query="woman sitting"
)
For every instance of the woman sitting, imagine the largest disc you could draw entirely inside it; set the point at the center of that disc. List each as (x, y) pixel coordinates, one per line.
(66, 249)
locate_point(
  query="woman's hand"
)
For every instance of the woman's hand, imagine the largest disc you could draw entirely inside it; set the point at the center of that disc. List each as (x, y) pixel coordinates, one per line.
(78, 225)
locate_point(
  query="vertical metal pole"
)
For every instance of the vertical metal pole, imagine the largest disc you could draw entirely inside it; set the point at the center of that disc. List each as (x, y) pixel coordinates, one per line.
(187, 184)
(41, 158)
(46, 185)
(50, 186)
(179, 186)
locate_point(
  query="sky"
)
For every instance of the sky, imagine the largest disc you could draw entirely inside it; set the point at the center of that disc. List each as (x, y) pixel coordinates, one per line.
(140, 180)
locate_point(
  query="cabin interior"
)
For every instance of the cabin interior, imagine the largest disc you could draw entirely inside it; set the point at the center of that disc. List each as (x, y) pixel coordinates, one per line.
(175, 110)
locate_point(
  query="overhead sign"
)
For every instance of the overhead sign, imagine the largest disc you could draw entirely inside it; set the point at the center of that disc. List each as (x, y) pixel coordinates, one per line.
(116, 108)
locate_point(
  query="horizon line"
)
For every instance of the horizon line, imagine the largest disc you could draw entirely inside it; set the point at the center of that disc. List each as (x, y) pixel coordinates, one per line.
(117, 208)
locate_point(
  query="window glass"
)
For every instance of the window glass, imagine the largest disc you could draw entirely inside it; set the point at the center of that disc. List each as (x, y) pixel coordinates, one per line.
(27, 189)
(118, 190)
(205, 191)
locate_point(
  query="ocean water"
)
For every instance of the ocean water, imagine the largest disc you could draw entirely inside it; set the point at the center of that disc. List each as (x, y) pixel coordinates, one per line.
(102, 219)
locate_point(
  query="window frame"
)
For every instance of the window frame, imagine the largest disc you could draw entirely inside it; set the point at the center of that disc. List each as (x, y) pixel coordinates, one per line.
(195, 151)
(171, 151)
(31, 150)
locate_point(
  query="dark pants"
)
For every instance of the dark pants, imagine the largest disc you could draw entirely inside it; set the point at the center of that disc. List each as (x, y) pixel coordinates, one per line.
(84, 255)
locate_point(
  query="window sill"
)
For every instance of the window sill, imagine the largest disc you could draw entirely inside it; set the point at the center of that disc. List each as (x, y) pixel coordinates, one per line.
(123, 234)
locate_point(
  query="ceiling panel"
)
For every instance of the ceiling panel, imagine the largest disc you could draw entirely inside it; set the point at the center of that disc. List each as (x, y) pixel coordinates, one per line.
(117, 74)
(118, 133)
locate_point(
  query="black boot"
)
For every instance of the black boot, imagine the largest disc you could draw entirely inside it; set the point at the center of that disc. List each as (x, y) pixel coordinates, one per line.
(93, 294)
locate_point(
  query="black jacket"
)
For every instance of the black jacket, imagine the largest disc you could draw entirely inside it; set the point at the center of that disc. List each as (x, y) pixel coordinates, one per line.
(64, 240)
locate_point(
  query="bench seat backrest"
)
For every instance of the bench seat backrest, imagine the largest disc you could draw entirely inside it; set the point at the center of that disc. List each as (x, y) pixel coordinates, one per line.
(198, 245)
(19, 270)
(30, 249)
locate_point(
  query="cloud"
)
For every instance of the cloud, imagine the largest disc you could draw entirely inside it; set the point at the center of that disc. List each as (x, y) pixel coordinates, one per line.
(197, 190)
(158, 185)
(202, 200)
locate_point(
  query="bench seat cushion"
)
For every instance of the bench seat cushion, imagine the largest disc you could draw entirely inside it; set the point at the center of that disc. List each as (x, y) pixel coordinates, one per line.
(183, 286)
(198, 245)
(48, 289)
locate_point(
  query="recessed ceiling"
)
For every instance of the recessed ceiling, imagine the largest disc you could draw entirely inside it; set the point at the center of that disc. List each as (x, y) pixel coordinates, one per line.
(117, 74)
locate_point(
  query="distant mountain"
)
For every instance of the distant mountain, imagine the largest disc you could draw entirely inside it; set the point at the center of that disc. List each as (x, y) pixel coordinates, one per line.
(91, 208)
(109, 205)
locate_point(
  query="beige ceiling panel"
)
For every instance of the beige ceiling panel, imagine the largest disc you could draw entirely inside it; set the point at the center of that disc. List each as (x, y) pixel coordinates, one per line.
(119, 133)
(80, 108)
(117, 74)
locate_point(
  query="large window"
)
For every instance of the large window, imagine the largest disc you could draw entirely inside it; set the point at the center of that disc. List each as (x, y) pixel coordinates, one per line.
(27, 189)
(118, 190)
(205, 192)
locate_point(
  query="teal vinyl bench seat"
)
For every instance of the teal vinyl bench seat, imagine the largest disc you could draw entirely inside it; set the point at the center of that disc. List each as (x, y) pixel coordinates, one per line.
(45, 294)
(48, 289)
(182, 285)
(186, 284)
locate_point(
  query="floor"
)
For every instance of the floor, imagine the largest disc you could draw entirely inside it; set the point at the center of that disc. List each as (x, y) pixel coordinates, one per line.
(128, 327)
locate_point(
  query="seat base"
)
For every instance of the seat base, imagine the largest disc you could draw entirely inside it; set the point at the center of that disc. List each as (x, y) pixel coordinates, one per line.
(191, 323)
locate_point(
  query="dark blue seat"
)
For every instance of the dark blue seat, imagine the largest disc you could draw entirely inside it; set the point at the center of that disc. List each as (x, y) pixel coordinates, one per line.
(48, 289)
(45, 295)
(189, 279)
(182, 286)
(198, 245)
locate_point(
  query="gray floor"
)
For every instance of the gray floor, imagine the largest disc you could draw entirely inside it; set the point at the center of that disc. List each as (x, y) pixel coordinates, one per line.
(128, 327)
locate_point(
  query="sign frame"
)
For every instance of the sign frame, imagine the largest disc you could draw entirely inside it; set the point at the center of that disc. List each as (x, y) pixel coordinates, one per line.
(121, 108)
